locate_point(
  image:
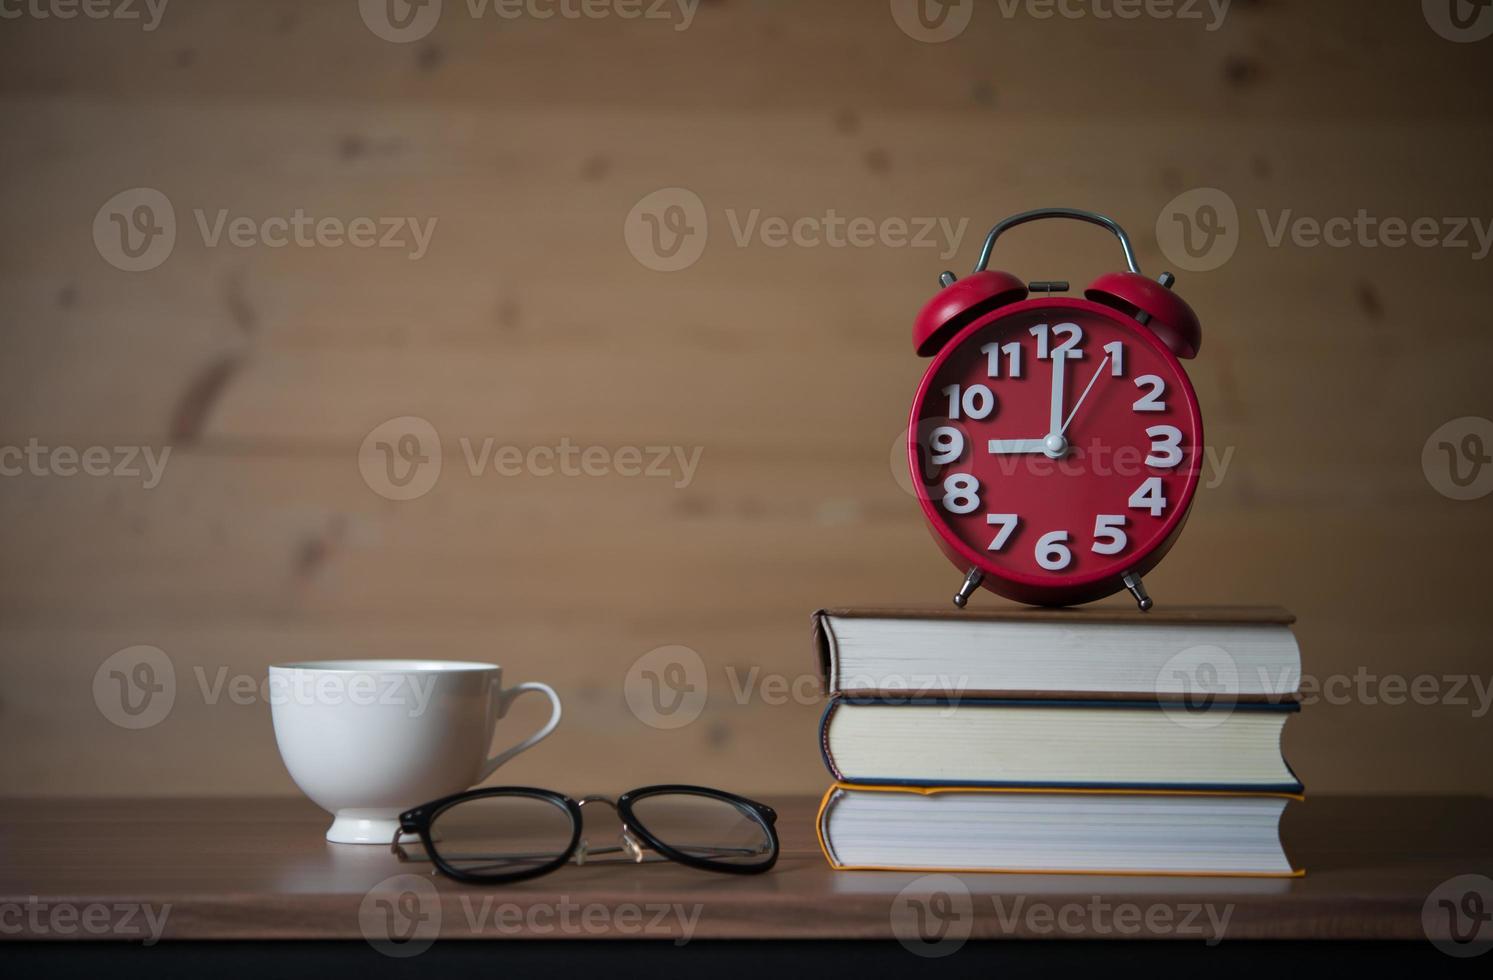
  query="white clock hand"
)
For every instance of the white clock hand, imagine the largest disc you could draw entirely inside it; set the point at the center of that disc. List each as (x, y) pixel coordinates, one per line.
(1085, 394)
(1010, 446)
(1056, 426)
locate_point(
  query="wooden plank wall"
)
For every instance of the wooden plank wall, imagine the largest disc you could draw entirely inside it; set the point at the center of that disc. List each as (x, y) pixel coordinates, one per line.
(1323, 369)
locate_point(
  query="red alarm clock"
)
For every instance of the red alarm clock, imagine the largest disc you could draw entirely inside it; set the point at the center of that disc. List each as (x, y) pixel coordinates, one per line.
(1055, 441)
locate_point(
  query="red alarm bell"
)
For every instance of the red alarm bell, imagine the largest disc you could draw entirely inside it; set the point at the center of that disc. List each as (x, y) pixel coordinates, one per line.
(959, 303)
(1152, 302)
(1055, 441)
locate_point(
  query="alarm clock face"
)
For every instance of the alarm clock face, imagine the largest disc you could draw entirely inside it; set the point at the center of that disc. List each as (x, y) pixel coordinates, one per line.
(1055, 447)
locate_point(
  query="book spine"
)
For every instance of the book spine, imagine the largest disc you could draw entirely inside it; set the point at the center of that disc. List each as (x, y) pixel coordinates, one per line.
(830, 708)
(821, 825)
(826, 652)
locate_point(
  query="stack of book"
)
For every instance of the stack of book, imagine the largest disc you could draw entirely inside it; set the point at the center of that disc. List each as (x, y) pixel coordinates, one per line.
(1097, 740)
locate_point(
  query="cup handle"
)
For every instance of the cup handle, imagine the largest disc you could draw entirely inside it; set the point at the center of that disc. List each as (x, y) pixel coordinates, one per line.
(502, 701)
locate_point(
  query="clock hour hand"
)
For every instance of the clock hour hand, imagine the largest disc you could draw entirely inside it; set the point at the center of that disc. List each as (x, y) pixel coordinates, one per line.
(1006, 447)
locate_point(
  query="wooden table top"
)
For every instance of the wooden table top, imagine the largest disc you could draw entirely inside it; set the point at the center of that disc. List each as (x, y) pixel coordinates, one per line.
(259, 869)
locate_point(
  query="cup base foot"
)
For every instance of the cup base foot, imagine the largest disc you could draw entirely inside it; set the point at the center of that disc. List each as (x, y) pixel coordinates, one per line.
(358, 829)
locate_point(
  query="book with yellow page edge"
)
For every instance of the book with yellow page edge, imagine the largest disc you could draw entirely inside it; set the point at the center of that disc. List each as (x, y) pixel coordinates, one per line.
(1053, 831)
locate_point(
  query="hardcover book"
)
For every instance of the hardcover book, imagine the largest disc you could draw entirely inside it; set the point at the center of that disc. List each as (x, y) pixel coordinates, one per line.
(1094, 652)
(1053, 831)
(1043, 743)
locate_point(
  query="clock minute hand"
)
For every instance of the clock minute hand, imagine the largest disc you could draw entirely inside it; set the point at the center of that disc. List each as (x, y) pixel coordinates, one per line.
(1087, 389)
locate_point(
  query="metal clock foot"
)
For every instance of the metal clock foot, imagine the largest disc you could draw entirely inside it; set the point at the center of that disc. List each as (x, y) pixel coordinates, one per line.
(1138, 589)
(971, 583)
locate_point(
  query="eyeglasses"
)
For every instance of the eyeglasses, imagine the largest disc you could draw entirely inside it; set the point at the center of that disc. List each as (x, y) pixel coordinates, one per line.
(509, 833)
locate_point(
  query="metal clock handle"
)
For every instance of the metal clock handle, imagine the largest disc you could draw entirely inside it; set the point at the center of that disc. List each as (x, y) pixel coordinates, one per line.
(1075, 214)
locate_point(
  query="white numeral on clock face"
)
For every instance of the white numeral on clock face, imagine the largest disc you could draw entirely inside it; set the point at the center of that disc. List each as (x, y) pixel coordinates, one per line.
(1109, 538)
(993, 352)
(1148, 497)
(1116, 352)
(1052, 554)
(977, 401)
(1166, 446)
(1007, 525)
(1071, 333)
(945, 445)
(961, 494)
(1151, 400)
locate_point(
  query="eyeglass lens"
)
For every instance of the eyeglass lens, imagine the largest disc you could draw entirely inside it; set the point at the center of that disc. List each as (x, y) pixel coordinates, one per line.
(705, 827)
(495, 836)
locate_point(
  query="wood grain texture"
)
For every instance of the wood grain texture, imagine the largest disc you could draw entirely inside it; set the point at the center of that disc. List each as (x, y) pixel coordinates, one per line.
(1323, 370)
(258, 869)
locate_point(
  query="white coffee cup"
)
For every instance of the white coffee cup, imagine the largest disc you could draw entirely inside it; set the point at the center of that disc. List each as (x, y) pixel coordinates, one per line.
(368, 739)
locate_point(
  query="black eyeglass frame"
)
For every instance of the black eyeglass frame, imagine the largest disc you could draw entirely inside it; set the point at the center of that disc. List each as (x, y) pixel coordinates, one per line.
(419, 820)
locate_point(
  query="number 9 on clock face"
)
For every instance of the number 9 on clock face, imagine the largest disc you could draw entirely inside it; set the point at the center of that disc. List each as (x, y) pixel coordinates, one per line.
(1055, 447)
